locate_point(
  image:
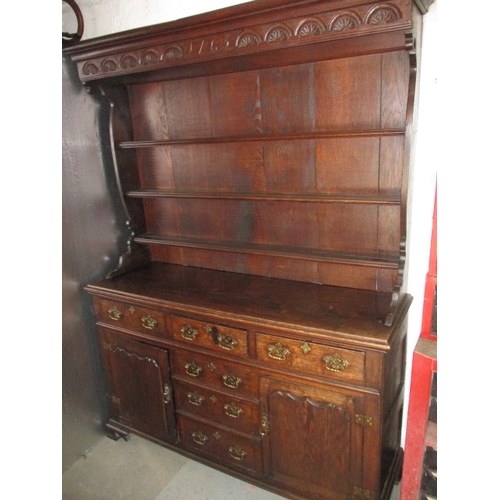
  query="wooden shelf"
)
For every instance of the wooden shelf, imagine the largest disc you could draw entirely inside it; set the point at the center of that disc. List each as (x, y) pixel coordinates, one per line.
(372, 199)
(273, 250)
(270, 138)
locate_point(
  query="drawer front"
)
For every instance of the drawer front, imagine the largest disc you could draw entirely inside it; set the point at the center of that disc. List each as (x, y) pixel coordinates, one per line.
(227, 448)
(211, 370)
(216, 406)
(131, 317)
(213, 336)
(327, 361)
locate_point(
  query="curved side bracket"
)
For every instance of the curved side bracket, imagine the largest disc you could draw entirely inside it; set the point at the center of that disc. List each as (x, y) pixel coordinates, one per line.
(136, 254)
(397, 291)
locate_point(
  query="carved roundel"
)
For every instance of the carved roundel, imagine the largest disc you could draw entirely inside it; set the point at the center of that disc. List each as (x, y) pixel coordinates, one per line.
(381, 14)
(310, 27)
(279, 33)
(108, 65)
(90, 69)
(128, 61)
(345, 21)
(149, 57)
(173, 52)
(248, 38)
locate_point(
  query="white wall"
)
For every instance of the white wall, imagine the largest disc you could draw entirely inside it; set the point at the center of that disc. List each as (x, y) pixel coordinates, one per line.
(109, 16)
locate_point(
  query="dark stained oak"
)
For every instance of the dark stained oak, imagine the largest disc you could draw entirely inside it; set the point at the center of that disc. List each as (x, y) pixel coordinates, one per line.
(257, 321)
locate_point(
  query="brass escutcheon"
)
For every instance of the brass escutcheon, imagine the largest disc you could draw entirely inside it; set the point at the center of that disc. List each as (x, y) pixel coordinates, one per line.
(233, 410)
(335, 363)
(188, 332)
(226, 342)
(166, 394)
(114, 313)
(232, 381)
(237, 453)
(199, 437)
(264, 425)
(278, 351)
(149, 322)
(195, 399)
(192, 369)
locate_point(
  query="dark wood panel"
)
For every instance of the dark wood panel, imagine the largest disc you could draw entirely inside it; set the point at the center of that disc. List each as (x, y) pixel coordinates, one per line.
(330, 227)
(391, 165)
(148, 106)
(155, 168)
(290, 166)
(163, 218)
(348, 228)
(274, 266)
(235, 104)
(186, 98)
(241, 167)
(345, 98)
(388, 235)
(348, 165)
(395, 80)
(288, 100)
(194, 167)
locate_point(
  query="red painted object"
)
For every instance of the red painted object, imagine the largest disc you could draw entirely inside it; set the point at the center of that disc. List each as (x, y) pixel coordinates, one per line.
(420, 431)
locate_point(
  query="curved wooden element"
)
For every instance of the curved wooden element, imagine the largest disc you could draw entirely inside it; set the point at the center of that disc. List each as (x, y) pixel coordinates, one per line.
(72, 38)
(397, 292)
(136, 255)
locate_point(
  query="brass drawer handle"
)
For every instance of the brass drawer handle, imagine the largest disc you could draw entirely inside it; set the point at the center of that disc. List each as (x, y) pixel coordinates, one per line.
(335, 363)
(232, 381)
(149, 322)
(232, 410)
(278, 351)
(195, 399)
(189, 333)
(199, 437)
(192, 369)
(115, 314)
(226, 342)
(237, 453)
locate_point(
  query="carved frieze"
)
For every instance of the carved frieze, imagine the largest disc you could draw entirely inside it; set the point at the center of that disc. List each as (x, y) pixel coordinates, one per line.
(165, 50)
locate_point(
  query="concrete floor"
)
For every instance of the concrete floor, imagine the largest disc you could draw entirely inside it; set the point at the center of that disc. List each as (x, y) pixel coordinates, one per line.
(140, 470)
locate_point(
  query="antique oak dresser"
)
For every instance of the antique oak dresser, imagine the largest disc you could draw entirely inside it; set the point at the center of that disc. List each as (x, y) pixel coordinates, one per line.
(257, 322)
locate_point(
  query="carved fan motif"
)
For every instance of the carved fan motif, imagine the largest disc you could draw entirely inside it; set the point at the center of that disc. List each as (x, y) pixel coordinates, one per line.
(279, 33)
(310, 27)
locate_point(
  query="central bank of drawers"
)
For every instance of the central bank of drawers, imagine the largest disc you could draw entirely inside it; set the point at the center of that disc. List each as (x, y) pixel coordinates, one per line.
(216, 398)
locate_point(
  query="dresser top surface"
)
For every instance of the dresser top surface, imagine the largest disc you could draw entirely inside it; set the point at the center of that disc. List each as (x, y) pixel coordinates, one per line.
(325, 310)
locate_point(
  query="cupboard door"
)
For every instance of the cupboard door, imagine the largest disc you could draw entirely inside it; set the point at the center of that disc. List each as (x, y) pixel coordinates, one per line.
(140, 392)
(311, 443)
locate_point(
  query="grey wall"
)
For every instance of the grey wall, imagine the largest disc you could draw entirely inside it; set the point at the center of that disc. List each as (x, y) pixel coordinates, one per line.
(92, 241)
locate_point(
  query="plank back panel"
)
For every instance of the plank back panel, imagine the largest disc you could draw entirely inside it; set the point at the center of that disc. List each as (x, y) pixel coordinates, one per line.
(240, 139)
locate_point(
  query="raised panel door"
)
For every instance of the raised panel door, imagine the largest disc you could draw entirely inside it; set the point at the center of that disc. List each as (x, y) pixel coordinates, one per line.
(140, 392)
(311, 443)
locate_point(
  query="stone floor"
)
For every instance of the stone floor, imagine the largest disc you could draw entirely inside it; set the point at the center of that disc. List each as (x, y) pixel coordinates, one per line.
(140, 470)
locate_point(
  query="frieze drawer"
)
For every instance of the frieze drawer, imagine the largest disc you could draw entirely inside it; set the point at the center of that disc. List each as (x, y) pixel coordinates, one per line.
(231, 449)
(327, 361)
(130, 317)
(210, 335)
(217, 407)
(231, 377)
